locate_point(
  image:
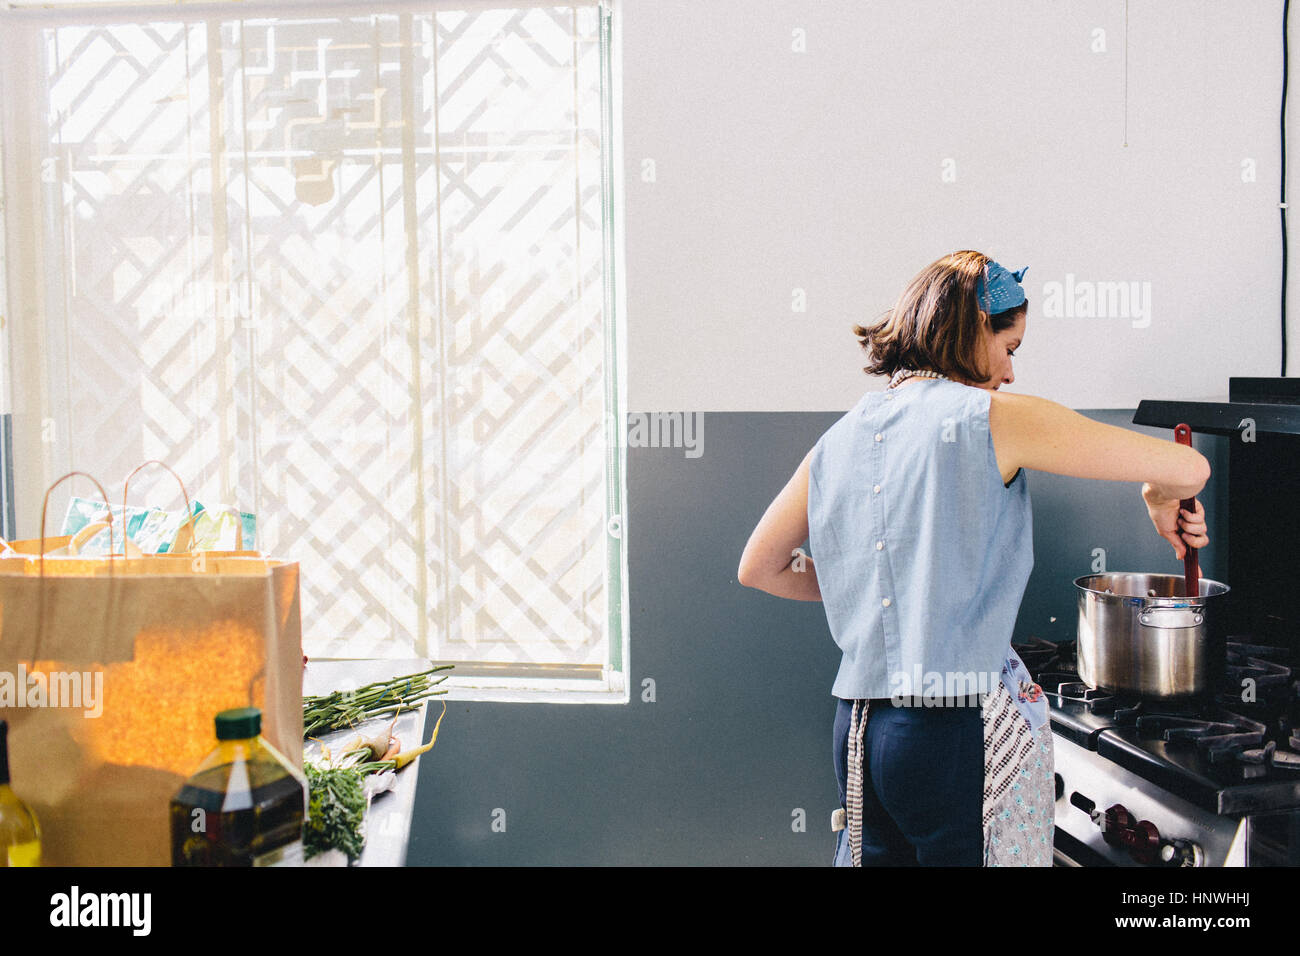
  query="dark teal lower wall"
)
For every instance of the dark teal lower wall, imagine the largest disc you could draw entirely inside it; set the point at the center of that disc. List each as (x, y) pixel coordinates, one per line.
(739, 738)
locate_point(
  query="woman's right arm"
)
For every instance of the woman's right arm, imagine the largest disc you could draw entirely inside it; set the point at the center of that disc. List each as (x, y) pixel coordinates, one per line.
(1036, 433)
(1030, 432)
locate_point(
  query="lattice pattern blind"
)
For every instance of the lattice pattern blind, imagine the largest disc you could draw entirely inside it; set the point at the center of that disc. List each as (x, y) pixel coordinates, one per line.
(349, 272)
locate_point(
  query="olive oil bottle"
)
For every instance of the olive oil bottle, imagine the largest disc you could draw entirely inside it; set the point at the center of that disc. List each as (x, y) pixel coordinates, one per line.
(20, 835)
(244, 805)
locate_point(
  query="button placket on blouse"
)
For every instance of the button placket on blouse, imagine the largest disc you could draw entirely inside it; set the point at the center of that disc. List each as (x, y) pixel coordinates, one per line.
(893, 650)
(880, 543)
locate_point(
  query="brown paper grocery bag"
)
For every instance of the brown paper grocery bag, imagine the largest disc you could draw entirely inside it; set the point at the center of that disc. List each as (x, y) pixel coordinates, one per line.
(34, 546)
(137, 655)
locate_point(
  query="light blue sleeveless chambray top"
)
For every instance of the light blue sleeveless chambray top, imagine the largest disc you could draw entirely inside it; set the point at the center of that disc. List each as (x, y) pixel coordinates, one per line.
(921, 552)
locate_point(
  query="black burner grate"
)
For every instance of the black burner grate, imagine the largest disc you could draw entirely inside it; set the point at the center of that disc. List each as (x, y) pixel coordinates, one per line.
(1252, 719)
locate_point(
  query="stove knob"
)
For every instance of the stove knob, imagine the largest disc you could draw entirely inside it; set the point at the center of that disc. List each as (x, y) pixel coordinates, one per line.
(1182, 853)
(1116, 824)
(1144, 845)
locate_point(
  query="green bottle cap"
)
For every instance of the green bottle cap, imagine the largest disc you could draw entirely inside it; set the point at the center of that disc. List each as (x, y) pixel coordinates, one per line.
(239, 724)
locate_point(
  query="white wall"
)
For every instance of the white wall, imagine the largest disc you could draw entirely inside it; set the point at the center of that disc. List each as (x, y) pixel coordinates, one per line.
(778, 170)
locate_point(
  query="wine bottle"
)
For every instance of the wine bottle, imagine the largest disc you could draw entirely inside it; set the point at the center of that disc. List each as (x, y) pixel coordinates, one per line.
(20, 835)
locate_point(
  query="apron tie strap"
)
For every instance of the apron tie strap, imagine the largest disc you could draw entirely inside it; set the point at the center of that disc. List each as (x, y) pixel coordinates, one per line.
(853, 797)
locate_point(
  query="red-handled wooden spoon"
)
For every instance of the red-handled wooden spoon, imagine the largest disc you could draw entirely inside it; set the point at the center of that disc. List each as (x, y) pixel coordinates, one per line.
(1191, 563)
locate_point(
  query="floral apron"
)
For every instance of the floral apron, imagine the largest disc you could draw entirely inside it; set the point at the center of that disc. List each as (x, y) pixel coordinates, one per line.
(1019, 782)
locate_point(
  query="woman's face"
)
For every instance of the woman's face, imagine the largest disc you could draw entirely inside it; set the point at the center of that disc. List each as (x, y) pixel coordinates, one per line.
(999, 348)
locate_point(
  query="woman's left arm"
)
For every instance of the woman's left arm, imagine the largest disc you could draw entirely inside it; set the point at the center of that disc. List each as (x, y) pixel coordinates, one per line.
(770, 562)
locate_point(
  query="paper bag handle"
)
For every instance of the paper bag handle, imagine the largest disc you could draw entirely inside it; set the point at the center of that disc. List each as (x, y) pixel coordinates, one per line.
(45, 504)
(189, 510)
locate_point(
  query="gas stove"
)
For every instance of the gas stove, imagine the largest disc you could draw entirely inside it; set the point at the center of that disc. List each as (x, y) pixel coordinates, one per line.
(1211, 782)
(1216, 781)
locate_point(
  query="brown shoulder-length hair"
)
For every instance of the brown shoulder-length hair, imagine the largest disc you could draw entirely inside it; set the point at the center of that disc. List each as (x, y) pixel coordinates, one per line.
(935, 324)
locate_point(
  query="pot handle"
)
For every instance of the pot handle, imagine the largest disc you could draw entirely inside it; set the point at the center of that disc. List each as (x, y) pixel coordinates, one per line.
(1172, 617)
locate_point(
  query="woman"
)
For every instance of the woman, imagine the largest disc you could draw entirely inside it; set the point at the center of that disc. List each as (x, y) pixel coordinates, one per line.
(916, 509)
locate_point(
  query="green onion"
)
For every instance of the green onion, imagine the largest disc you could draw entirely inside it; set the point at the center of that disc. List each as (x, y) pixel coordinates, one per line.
(324, 713)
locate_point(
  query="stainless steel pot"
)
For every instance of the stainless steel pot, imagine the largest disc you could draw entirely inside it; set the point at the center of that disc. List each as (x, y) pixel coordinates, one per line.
(1138, 634)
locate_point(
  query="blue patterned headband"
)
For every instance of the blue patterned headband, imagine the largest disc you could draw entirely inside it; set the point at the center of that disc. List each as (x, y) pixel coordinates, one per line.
(999, 290)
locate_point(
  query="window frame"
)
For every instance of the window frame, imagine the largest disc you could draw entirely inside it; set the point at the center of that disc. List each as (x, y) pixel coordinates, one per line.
(25, 389)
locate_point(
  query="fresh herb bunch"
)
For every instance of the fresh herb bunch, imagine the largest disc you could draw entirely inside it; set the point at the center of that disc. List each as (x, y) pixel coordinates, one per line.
(336, 805)
(347, 708)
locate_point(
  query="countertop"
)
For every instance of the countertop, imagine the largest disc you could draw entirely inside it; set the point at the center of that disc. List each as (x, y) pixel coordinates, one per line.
(388, 820)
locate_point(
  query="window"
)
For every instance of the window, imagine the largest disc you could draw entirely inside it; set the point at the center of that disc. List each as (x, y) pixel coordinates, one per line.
(351, 269)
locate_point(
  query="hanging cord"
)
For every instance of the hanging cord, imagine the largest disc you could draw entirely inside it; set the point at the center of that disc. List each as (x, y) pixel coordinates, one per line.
(1286, 9)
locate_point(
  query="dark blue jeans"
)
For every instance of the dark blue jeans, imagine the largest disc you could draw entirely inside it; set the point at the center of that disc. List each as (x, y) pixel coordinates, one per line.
(922, 785)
